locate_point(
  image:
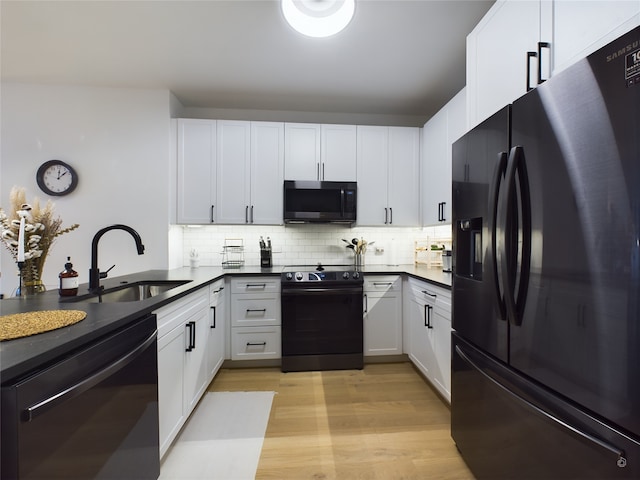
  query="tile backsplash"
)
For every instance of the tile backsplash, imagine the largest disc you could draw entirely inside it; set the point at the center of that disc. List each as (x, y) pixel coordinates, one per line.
(300, 244)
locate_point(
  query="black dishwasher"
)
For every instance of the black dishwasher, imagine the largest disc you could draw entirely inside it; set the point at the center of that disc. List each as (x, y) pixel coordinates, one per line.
(91, 415)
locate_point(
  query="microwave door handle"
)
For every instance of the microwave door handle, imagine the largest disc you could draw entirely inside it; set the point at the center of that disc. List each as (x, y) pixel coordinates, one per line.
(341, 202)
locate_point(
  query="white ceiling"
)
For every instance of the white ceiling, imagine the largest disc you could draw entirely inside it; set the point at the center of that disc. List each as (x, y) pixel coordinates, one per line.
(396, 57)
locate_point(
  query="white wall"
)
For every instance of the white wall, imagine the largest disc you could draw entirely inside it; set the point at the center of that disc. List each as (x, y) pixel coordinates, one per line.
(118, 140)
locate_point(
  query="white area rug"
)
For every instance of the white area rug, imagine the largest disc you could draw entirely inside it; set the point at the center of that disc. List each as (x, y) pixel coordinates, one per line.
(223, 438)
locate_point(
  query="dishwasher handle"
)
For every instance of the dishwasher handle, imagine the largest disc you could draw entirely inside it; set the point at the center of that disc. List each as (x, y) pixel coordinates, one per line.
(30, 413)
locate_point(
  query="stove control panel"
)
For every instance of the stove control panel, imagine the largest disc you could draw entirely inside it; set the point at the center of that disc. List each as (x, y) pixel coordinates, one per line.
(322, 276)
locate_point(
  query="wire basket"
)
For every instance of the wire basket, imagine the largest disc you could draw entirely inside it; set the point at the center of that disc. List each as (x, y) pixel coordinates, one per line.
(233, 253)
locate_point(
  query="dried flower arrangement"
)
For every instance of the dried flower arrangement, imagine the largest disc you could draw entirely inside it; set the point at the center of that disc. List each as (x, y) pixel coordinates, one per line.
(40, 231)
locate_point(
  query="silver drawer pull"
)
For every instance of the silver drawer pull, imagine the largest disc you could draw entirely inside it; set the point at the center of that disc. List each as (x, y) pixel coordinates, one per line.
(258, 344)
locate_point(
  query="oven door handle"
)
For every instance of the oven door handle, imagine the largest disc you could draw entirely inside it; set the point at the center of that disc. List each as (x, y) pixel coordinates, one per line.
(322, 291)
(43, 406)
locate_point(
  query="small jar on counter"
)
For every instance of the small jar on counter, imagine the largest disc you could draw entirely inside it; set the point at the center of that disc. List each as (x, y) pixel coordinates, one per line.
(68, 280)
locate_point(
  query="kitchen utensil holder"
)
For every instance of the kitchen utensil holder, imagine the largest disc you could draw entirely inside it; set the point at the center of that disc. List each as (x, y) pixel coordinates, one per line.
(265, 257)
(359, 260)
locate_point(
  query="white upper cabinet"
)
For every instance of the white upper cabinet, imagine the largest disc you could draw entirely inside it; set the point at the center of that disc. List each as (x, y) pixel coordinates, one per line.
(498, 57)
(302, 151)
(404, 176)
(338, 153)
(438, 134)
(229, 172)
(320, 152)
(234, 169)
(267, 172)
(196, 175)
(539, 37)
(388, 180)
(580, 28)
(250, 172)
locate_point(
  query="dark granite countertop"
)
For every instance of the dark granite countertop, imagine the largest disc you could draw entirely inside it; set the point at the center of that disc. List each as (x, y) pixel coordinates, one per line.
(23, 355)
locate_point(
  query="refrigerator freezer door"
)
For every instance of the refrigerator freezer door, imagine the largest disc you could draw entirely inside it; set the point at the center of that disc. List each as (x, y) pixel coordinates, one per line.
(580, 329)
(507, 427)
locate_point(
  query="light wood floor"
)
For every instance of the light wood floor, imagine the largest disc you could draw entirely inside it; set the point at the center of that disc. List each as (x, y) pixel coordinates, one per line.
(384, 422)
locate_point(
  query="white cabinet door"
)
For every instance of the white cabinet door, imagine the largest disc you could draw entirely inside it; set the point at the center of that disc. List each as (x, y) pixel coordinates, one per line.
(267, 173)
(382, 315)
(497, 56)
(171, 411)
(404, 176)
(439, 133)
(580, 28)
(217, 328)
(301, 151)
(196, 376)
(388, 175)
(196, 175)
(372, 154)
(233, 158)
(338, 153)
(430, 333)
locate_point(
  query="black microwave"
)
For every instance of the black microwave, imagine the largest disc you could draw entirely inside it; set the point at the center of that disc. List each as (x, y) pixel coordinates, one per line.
(319, 202)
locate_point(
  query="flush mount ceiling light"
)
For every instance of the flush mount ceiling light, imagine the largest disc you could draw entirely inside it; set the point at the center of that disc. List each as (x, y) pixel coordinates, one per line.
(318, 18)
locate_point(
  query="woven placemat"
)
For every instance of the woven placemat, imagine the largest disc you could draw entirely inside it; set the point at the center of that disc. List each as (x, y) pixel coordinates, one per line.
(31, 323)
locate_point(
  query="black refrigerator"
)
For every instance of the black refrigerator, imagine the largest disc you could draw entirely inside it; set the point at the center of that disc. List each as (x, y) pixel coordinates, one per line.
(546, 278)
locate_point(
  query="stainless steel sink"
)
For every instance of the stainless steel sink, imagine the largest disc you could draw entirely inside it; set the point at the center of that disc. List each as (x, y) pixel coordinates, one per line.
(131, 292)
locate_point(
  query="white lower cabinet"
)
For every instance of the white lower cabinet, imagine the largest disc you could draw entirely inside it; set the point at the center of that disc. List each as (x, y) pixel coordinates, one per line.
(255, 318)
(217, 327)
(382, 315)
(429, 322)
(183, 373)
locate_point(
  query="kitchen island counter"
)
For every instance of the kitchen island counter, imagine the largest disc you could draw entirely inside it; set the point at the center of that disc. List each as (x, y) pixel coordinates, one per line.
(21, 356)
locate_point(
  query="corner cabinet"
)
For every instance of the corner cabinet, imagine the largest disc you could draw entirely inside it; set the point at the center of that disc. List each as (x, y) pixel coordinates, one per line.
(320, 152)
(382, 315)
(429, 322)
(388, 176)
(439, 133)
(196, 171)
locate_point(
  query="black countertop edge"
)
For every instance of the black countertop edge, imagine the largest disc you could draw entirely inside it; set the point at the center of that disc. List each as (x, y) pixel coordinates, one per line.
(20, 356)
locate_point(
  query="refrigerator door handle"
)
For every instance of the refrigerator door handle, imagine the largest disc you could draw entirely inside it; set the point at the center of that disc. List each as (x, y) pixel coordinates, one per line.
(621, 460)
(494, 196)
(518, 224)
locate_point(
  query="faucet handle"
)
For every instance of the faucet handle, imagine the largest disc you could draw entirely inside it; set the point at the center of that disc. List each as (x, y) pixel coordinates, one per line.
(104, 274)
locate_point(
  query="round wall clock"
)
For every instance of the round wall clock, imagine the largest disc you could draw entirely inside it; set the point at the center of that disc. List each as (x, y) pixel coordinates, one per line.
(57, 178)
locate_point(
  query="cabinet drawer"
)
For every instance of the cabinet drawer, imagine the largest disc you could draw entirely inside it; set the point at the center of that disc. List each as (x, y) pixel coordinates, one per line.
(255, 285)
(255, 310)
(437, 297)
(382, 283)
(251, 343)
(178, 312)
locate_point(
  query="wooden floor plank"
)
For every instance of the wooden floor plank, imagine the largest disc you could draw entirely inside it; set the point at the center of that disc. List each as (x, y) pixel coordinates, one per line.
(380, 423)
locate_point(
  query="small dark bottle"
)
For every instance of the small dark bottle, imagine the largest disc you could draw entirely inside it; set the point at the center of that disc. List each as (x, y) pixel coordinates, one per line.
(68, 280)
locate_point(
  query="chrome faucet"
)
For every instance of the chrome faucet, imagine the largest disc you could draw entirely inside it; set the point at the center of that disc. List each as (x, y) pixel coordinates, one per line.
(94, 273)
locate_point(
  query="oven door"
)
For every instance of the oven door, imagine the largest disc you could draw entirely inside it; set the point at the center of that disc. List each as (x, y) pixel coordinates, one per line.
(322, 320)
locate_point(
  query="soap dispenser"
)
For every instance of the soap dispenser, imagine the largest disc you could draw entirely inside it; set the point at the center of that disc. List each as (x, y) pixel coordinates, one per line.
(68, 280)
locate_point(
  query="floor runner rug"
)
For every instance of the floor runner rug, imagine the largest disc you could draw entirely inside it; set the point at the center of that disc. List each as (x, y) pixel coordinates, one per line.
(222, 439)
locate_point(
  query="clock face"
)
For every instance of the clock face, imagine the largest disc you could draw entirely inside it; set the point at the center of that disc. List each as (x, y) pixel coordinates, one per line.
(56, 178)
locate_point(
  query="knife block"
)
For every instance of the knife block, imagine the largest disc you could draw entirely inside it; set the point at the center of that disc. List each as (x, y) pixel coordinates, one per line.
(265, 258)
